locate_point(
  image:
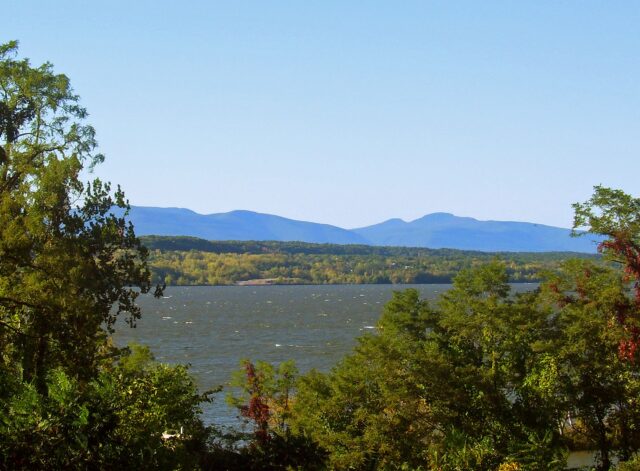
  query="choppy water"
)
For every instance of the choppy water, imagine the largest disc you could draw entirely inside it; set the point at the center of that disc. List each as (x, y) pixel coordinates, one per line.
(213, 327)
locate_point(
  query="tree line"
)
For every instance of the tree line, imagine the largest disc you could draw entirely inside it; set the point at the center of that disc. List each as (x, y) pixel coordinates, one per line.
(187, 261)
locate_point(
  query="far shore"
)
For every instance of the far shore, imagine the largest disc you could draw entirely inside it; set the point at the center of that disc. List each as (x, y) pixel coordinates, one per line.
(293, 282)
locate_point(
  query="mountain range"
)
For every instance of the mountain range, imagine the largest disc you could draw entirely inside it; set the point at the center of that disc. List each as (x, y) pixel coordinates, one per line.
(437, 230)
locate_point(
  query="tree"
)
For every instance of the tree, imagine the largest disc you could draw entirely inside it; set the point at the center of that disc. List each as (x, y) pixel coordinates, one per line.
(595, 387)
(264, 396)
(135, 414)
(370, 411)
(65, 257)
(616, 215)
(439, 387)
(69, 266)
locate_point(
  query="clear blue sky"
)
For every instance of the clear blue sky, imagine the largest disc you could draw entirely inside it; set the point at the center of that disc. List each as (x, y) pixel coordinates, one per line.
(353, 112)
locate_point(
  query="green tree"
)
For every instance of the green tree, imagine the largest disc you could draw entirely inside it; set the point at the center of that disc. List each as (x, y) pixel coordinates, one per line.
(69, 266)
(616, 216)
(137, 414)
(264, 397)
(370, 412)
(65, 257)
(439, 387)
(595, 385)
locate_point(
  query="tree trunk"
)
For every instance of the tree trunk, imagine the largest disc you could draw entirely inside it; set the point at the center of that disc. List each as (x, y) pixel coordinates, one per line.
(603, 444)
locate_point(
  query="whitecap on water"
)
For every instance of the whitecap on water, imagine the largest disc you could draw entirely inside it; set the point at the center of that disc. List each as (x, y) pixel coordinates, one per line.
(167, 317)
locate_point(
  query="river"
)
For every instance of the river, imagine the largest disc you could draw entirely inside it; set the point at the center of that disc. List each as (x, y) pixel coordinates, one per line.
(212, 328)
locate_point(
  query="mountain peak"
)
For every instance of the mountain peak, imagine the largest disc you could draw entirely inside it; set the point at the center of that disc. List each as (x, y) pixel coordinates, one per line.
(442, 216)
(437, 216)
(241, 213)
(395, 221)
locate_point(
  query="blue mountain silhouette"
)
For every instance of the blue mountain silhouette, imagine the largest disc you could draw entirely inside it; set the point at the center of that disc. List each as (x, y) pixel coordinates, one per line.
(437, 230)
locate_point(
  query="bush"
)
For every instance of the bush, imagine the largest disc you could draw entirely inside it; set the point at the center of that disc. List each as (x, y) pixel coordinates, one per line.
(114, 421)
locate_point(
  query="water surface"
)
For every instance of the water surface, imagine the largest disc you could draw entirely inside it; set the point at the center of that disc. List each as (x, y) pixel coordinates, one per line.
(214, 327)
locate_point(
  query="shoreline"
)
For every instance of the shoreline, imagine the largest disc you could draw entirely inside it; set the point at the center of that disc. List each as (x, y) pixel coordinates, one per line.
(252, 284)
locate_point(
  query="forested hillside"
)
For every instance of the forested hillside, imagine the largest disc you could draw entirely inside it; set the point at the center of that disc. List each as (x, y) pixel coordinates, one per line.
(193, 261)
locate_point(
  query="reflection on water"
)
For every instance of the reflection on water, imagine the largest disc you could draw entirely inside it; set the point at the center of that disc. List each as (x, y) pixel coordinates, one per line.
(213, 327)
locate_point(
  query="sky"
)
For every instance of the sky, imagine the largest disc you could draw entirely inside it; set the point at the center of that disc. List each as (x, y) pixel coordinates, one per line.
(352, 112)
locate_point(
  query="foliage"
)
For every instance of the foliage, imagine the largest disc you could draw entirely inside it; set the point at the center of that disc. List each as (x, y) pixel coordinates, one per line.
(597, 385)
(115, 420)
(615, 214)
(370, 411)
(65, 259)
(68, 268)
(264, 397)
(191, 261)
(187, 244)
(481, 380)
(631, 465)
(487, 380)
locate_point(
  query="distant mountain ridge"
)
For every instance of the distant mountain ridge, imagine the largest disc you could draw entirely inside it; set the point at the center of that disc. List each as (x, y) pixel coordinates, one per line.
(436, 230)
(444, 230)
(236, 225)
